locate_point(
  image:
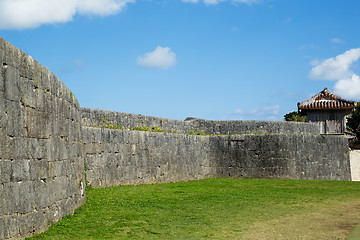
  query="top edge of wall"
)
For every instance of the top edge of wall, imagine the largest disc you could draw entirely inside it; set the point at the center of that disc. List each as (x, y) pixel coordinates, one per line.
(189, 119)
(31, 69)
(101, 118)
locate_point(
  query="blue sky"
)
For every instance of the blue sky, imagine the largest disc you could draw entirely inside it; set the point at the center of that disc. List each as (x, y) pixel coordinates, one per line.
(211, 59)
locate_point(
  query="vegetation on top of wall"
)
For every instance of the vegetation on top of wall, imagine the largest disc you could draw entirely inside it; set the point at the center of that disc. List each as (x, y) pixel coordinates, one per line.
(152, 129)
(114, 126)
(192, 132)
(106, 124)
(294, 117)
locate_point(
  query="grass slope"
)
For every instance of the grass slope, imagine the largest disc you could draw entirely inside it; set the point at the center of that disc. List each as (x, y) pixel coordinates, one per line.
(216, 209)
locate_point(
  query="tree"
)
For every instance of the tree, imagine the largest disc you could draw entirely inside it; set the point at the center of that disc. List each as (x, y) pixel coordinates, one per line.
(353, 122)
(294, 117)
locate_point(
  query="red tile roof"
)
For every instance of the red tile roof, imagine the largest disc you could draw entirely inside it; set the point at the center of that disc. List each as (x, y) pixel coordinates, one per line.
(326, 100)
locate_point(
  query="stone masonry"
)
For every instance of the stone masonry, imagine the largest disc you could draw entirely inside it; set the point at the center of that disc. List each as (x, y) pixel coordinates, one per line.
(100, 118)
(118, 157)
(41, 157)
(48, 143)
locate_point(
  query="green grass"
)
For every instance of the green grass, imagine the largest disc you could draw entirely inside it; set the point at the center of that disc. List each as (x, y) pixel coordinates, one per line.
(355, 234)
(205, 209)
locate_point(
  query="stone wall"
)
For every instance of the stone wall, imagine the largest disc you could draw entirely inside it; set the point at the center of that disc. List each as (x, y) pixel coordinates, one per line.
(100, 118)
(41, 160)
(260, 149)
(115, 157)
(43, 146)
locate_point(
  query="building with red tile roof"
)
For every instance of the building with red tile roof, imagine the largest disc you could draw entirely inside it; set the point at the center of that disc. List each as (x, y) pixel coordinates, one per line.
(328, 110)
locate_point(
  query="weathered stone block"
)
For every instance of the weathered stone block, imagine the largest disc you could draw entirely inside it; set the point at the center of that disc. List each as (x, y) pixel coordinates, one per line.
(65, 128)
(44, 101)
(39, 148)
(11, 83)
(44, 196)
(11, 229)
(5, 171)
(60, 168)
(2, 77)
(2, 190)
(45, 80)
(58, 149)
(26, 65)
(2, 51)
(15, 119)
(3, 121)
(38, 124)
(26, 204)
(27, 92)
(36, 74)
(25, 148)
(12, 197)
(2, 227)
(20, 170)
(93, 148)
(18, 148)
(60, 186)
(12, 55)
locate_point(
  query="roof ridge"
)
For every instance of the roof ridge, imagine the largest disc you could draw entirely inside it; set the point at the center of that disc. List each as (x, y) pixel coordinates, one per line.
(331, 101)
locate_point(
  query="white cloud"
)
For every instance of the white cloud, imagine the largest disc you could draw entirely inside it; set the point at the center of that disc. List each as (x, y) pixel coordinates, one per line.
(268, 110)
(102, 7)
(336, 40)
(211, 1)
(339, 69)
(349, 87)
(21, 14)
(159, 58)
(239, 111)
(307, 46)
(336, 68)
(315, 62)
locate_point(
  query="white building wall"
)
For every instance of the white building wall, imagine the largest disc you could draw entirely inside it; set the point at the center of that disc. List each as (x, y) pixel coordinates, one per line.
(355, 165)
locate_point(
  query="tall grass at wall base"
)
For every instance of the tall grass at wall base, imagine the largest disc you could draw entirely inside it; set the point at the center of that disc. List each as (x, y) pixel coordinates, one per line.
(214, 209)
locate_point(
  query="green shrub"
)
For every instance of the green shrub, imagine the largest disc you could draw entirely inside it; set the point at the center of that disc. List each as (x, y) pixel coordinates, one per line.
(353, 122)
(294, 117)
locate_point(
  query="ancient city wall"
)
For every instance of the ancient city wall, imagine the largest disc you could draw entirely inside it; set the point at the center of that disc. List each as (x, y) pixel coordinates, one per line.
(100, 118)
(41, 163)
(45, 139)
(118, 157)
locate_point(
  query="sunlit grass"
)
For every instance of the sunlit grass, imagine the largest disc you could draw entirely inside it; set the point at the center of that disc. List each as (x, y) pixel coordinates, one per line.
(211, 208)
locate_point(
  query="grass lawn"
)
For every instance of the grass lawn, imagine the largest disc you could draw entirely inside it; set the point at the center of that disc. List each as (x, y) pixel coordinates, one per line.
(217, 209)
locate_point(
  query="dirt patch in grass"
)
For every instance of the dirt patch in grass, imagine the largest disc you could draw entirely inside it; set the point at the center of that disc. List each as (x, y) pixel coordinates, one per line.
(335, 222)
